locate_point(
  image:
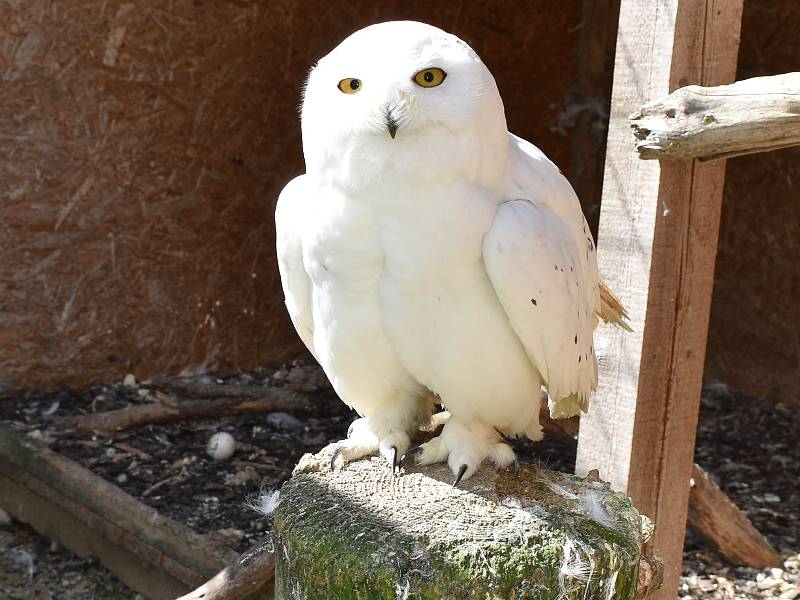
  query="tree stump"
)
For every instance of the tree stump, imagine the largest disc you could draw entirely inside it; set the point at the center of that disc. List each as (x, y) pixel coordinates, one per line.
(363, 532)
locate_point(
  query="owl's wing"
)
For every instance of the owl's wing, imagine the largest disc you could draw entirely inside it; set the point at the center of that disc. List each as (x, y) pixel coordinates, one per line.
(540, 258)
(289, 214)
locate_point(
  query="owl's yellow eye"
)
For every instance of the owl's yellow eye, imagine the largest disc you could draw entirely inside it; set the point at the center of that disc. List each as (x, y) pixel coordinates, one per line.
(430, 77)
(349, 85)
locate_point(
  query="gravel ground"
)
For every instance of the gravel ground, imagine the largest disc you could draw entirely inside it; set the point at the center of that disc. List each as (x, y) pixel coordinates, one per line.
(749, 446)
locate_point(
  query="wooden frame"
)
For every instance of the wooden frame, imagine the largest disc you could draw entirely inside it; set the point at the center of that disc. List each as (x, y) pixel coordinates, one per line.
(659, 226)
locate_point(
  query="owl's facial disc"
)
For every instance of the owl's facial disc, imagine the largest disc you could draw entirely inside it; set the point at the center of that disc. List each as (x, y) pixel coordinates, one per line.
(399, 97)
(429, 77)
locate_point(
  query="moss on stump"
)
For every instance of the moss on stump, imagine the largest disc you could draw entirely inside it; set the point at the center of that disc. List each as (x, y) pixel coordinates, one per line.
(362, 532)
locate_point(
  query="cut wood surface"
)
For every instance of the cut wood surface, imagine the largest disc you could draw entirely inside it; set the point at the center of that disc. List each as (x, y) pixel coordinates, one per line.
(753, 115)
(40, 486)
(657, 245)
(365, 532)
(724, 527)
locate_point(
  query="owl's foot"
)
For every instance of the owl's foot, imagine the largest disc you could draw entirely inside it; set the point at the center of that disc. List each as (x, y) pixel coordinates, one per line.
(362, 440)
(464, 447)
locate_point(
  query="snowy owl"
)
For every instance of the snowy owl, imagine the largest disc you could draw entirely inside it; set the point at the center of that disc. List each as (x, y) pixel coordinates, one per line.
(428, 256)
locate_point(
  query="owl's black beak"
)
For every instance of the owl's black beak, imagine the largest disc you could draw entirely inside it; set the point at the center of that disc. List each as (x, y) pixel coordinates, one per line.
(391, 124)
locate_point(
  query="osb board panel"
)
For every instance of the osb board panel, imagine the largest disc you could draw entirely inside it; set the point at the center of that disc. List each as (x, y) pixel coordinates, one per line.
(754, 338)
(142, 146)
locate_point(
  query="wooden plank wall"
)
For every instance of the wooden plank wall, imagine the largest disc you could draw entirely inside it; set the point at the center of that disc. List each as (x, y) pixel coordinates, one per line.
(657, 245)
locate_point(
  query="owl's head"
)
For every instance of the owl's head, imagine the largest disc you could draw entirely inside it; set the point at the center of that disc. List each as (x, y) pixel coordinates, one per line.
(401, 98)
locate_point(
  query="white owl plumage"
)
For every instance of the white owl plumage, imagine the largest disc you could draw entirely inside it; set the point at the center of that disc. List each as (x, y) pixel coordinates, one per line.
(430, 256)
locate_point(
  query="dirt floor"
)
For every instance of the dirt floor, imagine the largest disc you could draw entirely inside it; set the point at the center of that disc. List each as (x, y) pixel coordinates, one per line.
(35, 568)
(748, 445)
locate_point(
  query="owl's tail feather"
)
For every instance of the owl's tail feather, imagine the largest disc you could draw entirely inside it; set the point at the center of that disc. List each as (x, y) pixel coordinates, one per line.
(611, 309)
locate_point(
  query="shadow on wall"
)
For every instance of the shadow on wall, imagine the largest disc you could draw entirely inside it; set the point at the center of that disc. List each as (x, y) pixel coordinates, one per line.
(754, 339)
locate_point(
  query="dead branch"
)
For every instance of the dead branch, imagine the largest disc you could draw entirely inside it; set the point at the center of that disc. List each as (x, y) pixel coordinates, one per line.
(300, 378)
(270, 400)
(753, 115)
(251, 572)
(192, 389)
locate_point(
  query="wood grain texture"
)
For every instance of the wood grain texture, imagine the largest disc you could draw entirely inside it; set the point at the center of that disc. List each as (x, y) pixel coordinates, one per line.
(657, 244)
(754, 115)
(724, 527)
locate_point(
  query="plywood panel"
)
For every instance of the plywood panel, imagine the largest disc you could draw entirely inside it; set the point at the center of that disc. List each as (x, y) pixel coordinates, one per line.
(142, 146)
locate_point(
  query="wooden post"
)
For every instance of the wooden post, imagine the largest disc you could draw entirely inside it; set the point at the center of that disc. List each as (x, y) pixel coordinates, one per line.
(657, 245)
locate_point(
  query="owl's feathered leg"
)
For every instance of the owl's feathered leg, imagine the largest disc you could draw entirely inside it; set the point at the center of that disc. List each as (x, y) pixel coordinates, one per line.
(364, 438)
(464, 446)
(386, 430)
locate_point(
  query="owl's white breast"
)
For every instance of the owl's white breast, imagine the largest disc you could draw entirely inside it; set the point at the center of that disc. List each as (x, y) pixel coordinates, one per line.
(343, 257)
(440, 309)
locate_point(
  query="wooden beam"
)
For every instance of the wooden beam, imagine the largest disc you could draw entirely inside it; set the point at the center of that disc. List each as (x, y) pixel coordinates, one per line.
(657, 245)
(91, 516)
(724, 527)
(91, 537)
(753, 115)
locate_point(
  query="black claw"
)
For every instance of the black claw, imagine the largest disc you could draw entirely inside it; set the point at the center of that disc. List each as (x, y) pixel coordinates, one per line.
(336, 454)
(411, 452)
(516, 467)
(461, 472)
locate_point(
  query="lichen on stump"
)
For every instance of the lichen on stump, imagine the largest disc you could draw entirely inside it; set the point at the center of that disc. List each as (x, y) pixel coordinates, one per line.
(362, 532)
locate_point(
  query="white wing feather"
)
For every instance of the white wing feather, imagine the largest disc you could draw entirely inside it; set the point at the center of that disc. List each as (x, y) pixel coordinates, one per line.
(290, 212)
(541, 260)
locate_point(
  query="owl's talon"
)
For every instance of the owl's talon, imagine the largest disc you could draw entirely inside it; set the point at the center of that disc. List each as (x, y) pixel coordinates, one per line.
(393, 457)
(517, 467)
(409, 453)
(461, 472)
(336, 454)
